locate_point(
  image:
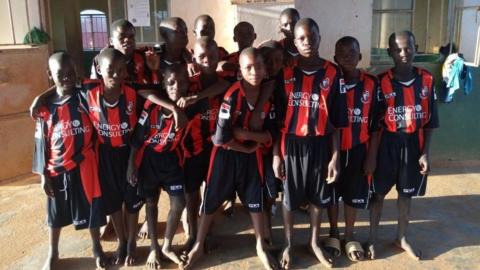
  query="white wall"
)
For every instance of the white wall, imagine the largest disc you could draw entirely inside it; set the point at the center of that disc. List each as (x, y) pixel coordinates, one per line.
(340, 18)
(19, 18)
(470, 31)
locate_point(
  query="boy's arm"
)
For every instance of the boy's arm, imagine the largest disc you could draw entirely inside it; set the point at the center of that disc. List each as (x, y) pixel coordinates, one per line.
(261, 137)
(131, 169)
(39, 158)
(241, 147)
(278, 163)
(266, 93)
(214, 90)
(432, 124)
(334, 164)
(40, 100)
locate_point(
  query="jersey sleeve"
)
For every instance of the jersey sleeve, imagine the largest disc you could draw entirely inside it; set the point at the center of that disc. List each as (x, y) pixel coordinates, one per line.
(142, 127)
(224, 130)
(338, 107)
(377, 110)
(39, 154)
(433, 121)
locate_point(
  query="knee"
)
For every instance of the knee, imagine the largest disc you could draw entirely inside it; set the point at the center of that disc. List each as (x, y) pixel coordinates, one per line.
(378, 198)
(177, 204)
(151, 203)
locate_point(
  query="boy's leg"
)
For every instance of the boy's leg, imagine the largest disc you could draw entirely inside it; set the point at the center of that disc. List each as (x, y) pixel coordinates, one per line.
(288, 222)
(117, 220)
(98, 254)
(350, 217)
(403, 204)
(54, 236)
(193, 207)
(258, 226)
(177, 204)
(375, 215)
(143, 232)
(153, 260)
(315, 229)
(198, 248)
(332, 211)
(132, 221)
(267, 222)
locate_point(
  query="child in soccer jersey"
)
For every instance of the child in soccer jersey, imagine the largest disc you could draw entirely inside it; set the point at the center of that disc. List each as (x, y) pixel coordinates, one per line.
(244, 35)
(353, 184)
(272, 53)
(403, 120)
(288, 18)
(159, 163)
(236, 163)
(204, 26)
(197, 144)
(65, 160)
(312, 108)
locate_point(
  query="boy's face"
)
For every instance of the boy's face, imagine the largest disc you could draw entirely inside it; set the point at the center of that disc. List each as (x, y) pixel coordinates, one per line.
(274, 62)
(206, 58)
(176, 36)
(402, 50)
(176, 84)
(307, 40)
(287, 24)
(123, 39)
(204, 28)
(253, 69)
(244, 36)
(113, 71)
(347, 56)
(63, 74)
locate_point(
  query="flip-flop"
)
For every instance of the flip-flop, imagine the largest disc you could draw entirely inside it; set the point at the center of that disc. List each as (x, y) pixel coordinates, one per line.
(351, 247)
(333, 243)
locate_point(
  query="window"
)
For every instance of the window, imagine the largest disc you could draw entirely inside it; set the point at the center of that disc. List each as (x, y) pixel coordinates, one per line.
(94, 30)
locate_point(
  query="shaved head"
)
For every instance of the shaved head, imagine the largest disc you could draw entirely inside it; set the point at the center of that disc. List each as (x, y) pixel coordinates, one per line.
(309, 23)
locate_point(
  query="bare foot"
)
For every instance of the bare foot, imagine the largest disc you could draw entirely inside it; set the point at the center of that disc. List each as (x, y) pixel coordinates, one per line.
(267, 260)
(414, 253)
(143, 232)
(318, 252)
(153, 262)
(370, 251)
(131, 253)
(286, 258)
(196, 253)
(120, 254)
(107, 230)
(50, 261)
(228, 210)
(210, 245)
(188, 245)
(168, 252)
(101, 260)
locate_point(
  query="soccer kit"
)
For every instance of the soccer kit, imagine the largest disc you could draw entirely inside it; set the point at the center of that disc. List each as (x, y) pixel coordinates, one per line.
(114, 124)
(402, 110)
(310, 106)
(353, 185)
(231, 171)
(64, 152)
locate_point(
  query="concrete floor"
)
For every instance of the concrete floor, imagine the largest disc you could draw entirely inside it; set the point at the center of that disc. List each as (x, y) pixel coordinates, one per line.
(445, 225)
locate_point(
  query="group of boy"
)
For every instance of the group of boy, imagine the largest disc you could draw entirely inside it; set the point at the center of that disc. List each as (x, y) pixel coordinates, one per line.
(253, 124)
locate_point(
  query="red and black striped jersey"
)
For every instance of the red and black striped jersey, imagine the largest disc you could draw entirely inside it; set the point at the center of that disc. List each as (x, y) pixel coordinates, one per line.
(200, 129)
(405, 108)
(63, 137)
(311, 103)
(230, 75)
(137, 69)
(359, 104)
(114, 122)
(235, 111)
(156, 130)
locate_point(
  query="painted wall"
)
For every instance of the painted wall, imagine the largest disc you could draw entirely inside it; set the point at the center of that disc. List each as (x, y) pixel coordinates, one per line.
(222, 12)
(19, 18)
(340, 18)
(470, 30)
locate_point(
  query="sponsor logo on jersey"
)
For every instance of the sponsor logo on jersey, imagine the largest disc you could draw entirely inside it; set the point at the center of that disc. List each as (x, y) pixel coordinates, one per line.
(406, 113)
(301, 99)
(224, 111)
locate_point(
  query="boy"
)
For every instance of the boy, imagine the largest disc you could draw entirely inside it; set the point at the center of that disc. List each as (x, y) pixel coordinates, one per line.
(196, 143)
(237, 148)
(405, 114)
(244, 35)
(353, 184)
(159, 163)
(288, 18)
(65, 159)
(311, 105)
(204, 26)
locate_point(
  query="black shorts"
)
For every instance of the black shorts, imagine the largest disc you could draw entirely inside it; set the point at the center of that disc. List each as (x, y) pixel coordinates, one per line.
(196, 170)
(306, 167)
(231, 171)
(397, 164)
(272, 185)
(77, 198)
(160, 170)
(353, 185)
(113, 164)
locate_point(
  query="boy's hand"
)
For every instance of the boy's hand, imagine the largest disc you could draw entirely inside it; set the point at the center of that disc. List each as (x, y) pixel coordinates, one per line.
(240, 134)
(192, 69)
(227, 66)
(278, 167)
(424, 162)
(47, 186)
(333, 170)
(153, 59)
(256, 122)
(370, 165)
(184, 102)
(34, 107)
(132, 175)
(180, 117)
(250, 147)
